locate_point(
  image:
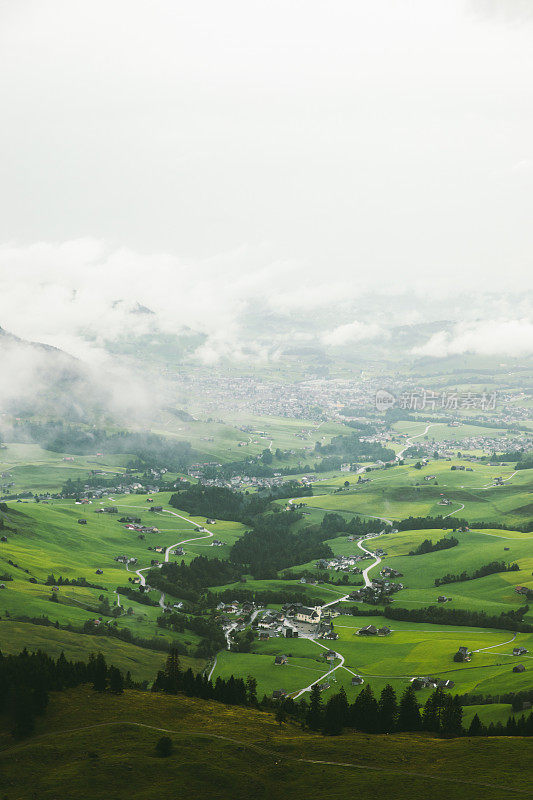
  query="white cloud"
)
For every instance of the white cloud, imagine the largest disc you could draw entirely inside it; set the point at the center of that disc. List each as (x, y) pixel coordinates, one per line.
(247, 303)
(353, 332)
(489, 338)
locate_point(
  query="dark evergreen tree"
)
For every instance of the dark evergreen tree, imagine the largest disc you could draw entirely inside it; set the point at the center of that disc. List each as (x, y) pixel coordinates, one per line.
(476, 726)
(116, 681)
(388, 710)
(251, 691)
(100, 673)
(315, 712)
(173, 672)
(409, 718)
(364, 711)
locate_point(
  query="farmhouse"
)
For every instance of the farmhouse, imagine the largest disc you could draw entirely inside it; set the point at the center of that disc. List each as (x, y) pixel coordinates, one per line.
(423, 683)
(384, 631)
(357, 680)
(156, 508)
(519, 651)
(330, 655)
(310, 615)
(82, 522)
(463, 654)
(277, 694)
(445, 684)
(281, 659)
(369, 630)
(519, 668)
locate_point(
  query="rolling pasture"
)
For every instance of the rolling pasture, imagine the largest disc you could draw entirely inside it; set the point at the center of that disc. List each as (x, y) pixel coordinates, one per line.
(402, 491)
(46, 539)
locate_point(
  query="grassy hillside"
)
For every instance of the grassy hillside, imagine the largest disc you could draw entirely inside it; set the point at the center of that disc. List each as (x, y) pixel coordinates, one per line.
(102, 747)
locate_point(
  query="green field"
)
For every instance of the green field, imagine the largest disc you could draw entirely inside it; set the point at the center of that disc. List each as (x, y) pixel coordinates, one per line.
(401, 492)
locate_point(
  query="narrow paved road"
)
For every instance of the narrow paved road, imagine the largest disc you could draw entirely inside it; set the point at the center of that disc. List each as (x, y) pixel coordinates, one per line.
(461, 506)
(409, 442)
(367, 580)
(169, 549)
(479, 650)
(324, 676)
(212, 669)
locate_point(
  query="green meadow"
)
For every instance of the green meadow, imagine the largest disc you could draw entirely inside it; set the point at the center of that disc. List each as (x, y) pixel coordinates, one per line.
(400, 492)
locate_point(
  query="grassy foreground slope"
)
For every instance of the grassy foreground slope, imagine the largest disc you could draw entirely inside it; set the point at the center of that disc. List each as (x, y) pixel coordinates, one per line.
(103, 747)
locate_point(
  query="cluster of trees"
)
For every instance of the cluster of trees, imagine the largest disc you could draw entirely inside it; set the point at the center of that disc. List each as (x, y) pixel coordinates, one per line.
(514, 727)
(351, 448)
(421, 523)
(364, 428)
(333, 524)
(271, 546)
(442, 713)
(515, 699)
(52, 581)
(526, 461)
(153, 451)
(220, 503)
(427, 546)
(27, 678)
(439, 615)
(206, 627)
(139, 596)
(481, 572)
(233, 691)
(261, 597)
(184, 580)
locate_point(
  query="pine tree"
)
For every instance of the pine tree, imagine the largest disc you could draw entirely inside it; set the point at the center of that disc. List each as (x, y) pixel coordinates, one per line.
(388, 710)
(450, 717)
(333, 721)
(315, 711)
(116, 681)
(476, 727)
(364, 711)
(251, 691)
(431, 716)
(100, 674)
(173, 672)
(409, 718)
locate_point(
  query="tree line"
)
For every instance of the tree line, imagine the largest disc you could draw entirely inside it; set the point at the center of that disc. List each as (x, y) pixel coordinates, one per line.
(427, 546)
(438, 615)
(27, 678)
(487, 569)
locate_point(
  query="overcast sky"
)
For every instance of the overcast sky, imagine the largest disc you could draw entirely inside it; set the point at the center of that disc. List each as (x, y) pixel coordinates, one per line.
(162, 148)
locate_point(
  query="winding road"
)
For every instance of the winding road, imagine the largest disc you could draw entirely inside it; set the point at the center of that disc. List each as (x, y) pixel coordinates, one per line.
(367, 580)
(409, 440)
(169, 549)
